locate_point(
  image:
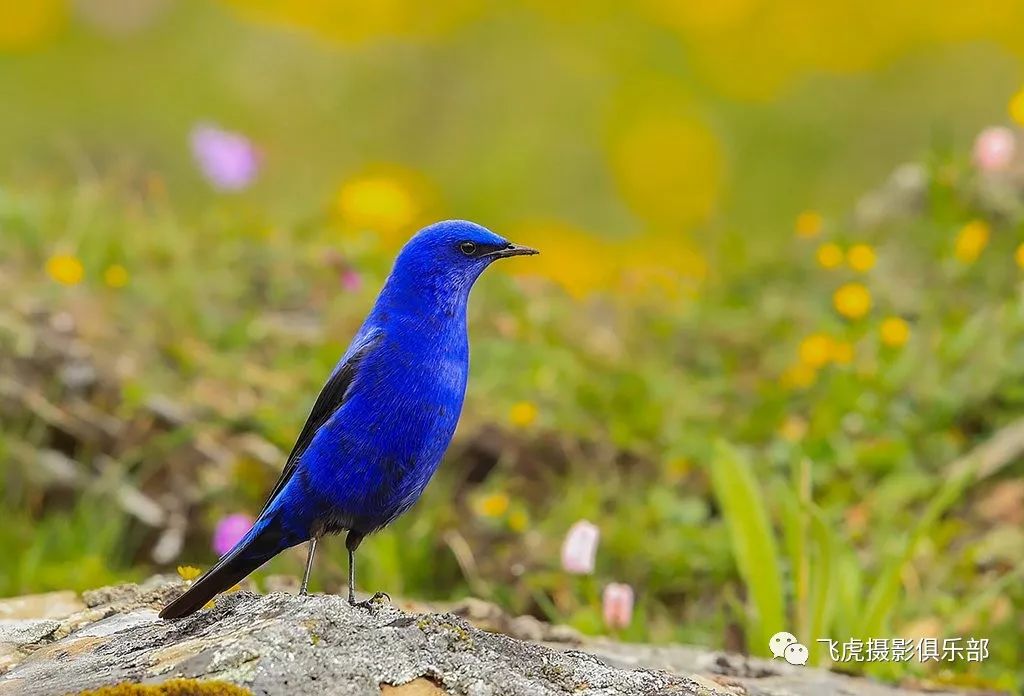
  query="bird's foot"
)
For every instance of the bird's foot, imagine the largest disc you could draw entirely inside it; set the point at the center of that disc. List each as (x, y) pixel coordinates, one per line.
(371, 603)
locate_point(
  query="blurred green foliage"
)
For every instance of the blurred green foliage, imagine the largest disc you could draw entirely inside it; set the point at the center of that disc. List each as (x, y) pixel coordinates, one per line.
(752, 378)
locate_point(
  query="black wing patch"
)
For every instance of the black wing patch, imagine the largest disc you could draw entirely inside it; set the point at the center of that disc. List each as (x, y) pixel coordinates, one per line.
(331, 398)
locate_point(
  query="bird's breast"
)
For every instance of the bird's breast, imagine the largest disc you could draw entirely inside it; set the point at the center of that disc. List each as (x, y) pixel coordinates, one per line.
(373, 459)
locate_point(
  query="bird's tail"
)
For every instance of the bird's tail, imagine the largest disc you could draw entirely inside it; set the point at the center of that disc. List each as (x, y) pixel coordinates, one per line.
(266, 539)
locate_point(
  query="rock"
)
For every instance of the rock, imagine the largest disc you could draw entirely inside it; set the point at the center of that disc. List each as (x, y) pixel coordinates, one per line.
(17, 636)
(285, 644)
(281, 583)
(48, 605)
(491, 617)
(20, 632)
(748, 676)
(116, 623)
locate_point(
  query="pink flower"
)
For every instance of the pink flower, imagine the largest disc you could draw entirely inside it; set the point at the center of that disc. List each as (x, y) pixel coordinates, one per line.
(229, 161)
(580, 548)
(994, 149)
(617, 605)
(350, 280)
(230, 531)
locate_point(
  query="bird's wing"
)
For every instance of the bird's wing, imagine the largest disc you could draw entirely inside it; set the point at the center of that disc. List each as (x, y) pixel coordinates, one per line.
(331, 397)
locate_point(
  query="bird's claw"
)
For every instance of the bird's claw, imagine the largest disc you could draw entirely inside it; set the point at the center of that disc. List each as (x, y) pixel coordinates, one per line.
(372, 602)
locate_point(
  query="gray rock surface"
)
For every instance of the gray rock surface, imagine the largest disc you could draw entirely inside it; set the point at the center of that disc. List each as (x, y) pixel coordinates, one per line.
(26, 631)
(48, 605)
(284, 644)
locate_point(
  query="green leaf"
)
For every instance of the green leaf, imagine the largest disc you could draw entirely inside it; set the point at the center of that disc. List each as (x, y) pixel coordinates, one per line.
(822, 590)
(753, 543)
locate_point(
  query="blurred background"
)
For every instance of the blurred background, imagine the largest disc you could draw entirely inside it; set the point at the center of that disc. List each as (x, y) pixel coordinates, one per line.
(766, 374)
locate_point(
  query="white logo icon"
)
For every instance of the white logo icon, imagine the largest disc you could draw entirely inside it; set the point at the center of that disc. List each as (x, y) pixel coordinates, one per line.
(796, 654)
(786, 646)
(779, 642)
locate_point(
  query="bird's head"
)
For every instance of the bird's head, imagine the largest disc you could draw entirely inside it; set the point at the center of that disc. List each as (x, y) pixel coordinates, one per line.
(448, 256)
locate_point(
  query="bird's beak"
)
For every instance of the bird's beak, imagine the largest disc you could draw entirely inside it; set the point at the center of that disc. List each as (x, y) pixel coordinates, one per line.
(513, 250)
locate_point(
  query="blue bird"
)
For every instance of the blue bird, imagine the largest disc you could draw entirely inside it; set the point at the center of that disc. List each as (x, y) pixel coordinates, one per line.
(381, 424)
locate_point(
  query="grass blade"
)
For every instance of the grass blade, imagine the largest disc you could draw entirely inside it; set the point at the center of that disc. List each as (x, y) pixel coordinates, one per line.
(753, 543)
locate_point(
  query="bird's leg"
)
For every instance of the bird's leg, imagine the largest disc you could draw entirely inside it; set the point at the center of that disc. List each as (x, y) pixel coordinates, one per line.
(309, 567)
(352, 542)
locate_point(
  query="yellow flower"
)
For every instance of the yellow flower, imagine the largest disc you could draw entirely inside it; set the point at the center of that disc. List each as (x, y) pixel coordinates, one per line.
(852, 300)
(815, 350)
(116, 276)
(1019, 256)
(830, 256)
(793, 429)
(971, 241)
(65, 269)
(861, 258)
(669, 168)
(493, 505)
(522, 414)
(390, 201)
(808, 224)
(799, 376)
(895, 332)
(24, 25)
(188, 573)
(518, 521)
(373, 202)
(1017, 107)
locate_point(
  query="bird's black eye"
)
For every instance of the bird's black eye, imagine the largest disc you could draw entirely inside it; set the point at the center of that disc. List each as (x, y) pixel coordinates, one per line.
(468, 248)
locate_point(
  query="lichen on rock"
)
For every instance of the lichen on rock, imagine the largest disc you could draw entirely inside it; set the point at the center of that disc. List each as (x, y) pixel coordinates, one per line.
(171, 687)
